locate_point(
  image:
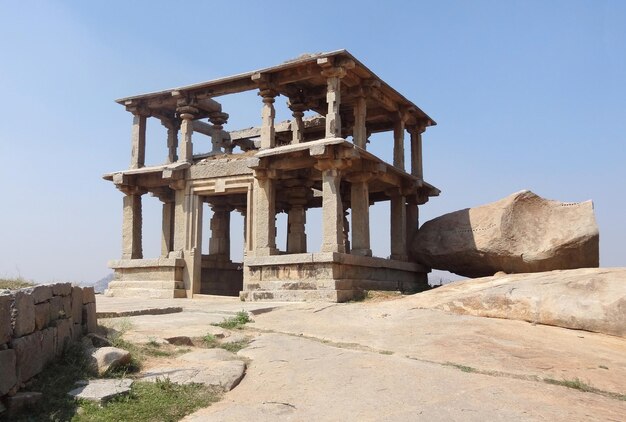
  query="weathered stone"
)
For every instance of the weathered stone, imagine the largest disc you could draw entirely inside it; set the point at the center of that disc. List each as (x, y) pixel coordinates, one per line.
(62, 289)
(592, 299)
(48, 344)
(98, 340)
(23, 314)
(77, 304)
(28, 356)
(89, 317)
(101, 390)
(106, 358)
(219, 374)
(21, 400)
(518, 234)
(41, 293)
(6, 329)
(8, 370)
(42, 315)
(89, 295)
(180, 341)
(66, 307)
(64, 334)
(56, 308)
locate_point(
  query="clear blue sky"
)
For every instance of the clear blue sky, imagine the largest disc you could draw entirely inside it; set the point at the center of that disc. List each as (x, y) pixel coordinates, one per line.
(527, 94)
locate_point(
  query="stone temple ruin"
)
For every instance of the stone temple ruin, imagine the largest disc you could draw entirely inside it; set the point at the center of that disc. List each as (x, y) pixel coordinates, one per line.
(287, 167)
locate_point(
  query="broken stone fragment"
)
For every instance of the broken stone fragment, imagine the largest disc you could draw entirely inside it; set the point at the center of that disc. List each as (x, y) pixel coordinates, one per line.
(101, 391)
(106, 358)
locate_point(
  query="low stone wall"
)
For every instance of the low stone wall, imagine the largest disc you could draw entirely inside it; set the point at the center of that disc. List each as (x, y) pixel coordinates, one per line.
(36, 325)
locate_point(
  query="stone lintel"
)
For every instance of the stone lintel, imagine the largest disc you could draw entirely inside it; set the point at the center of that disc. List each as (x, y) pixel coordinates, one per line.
(146, 263)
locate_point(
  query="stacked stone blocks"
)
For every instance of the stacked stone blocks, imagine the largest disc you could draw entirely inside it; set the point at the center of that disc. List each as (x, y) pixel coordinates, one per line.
(36, 325)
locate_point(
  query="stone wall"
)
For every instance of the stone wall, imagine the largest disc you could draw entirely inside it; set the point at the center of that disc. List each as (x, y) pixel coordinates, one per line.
(36, 325)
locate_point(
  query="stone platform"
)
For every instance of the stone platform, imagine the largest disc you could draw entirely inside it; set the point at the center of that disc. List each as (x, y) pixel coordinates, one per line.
(328, 276)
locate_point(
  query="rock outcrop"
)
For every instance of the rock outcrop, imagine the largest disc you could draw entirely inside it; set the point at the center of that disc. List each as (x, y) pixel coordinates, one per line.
(521, 233)
(591, 299)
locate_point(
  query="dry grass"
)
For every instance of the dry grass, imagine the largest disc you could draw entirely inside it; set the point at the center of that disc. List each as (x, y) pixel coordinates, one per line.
(15, 283)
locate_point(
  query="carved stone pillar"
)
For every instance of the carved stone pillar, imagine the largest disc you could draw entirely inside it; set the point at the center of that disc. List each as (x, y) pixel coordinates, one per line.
(172, 139)
(219, 244)
(332, 211)
(268, 135)
(359, 199)
(296, 235)
(217, 119)
(398, 226)
(333, 77)
(131, 223)
(188, 237)
(297, 124)
(398, 142)
(416, 151)
(412, 220)
(359, 133)
(265, 214)
(138, 138)
(166, 196)
(187, 114)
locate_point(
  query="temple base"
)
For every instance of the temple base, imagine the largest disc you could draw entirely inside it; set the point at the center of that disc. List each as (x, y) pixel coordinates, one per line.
(334, 277)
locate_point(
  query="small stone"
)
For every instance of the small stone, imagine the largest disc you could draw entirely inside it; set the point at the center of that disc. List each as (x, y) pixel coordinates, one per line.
(98, 340)
(102, 390)
(180, 341)
(106, 358)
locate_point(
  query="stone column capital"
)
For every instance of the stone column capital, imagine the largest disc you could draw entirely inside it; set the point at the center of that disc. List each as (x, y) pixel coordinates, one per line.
(218, 118)
(131, 190)
(187, 112)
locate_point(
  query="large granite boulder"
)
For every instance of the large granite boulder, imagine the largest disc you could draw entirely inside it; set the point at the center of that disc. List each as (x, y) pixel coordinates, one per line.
(521, 233)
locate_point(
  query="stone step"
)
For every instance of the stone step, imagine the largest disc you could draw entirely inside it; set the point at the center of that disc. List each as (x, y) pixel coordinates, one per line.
(301, 295)
(145, 293)
(146, 284)
(309, 284)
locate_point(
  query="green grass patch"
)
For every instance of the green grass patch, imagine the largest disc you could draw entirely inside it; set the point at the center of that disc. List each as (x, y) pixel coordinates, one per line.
(235, 346)
(151, 401)
(54, 382)
(386, 352)
(15, 283)
(210, 341)
(576, 384)
(235, 323)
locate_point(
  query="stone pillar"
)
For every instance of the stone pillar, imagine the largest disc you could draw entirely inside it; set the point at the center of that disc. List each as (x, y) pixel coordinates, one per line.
(359, 198)
(131, 225)
(188, 237)
(297, 124)
(398, 226)
(398, 143)
(296, 235)
(187, 115)
(332, 211)
(138, 140)
(265, 215)
(217, 120)
(412, 220)
(166, 196)
(268, 135)
(333, 98)
(359, 133)
(219, 244)
(416, 152)
(172, 141)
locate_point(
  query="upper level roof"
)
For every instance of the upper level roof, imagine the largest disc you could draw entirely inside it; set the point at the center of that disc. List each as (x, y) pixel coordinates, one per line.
(300, 80)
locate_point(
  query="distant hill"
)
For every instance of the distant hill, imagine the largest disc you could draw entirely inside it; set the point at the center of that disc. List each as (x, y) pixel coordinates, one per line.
(101, 285)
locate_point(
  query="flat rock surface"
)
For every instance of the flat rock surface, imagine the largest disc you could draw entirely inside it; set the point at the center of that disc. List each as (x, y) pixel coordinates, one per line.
(293, 379)
(220, 374)
(592, 299)
(101, 390)
(393, 360)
